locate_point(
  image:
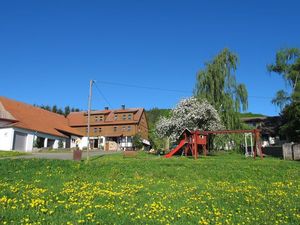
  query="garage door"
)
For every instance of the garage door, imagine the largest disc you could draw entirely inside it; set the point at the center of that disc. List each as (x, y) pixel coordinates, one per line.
(20, 141)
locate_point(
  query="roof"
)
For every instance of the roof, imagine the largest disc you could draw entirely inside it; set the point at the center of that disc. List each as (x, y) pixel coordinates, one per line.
(79, 118)
(36, 119)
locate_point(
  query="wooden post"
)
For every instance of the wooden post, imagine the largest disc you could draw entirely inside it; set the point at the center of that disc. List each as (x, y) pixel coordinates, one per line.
(89, 119)
(195, 146)
(258, 144)
(204, 150)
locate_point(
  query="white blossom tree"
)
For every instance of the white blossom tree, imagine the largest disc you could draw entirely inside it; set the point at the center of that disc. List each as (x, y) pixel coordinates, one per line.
(190, 113)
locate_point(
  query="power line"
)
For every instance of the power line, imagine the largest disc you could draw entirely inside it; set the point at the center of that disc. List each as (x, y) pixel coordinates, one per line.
(103, 96)
(144, 87)
(163, 89)
(263, 97)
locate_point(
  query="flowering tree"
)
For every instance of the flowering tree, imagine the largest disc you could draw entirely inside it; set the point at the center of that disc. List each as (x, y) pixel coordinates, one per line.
(190, 113)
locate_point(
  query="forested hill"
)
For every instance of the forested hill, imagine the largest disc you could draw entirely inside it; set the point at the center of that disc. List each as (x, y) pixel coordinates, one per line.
(154, 114)
(249, 114)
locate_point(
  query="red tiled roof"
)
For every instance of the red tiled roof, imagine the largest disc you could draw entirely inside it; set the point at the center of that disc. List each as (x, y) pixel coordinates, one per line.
(35, 119)
(79, 118)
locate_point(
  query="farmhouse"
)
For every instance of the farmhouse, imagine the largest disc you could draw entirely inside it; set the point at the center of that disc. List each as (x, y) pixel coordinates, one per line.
(111, 129)
(23, 127)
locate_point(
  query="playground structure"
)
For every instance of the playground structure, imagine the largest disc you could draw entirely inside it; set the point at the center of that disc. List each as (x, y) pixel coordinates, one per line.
(191, 140)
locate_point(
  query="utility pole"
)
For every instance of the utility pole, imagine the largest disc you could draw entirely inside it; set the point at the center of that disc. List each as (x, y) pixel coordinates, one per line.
(89, 119)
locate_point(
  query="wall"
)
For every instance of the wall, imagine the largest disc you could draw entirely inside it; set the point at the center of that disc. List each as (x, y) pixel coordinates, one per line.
(108, 129)
(143, 127)
(291, 151)
(73, 141)
(83, 143)
(6, 138)
(31, 136)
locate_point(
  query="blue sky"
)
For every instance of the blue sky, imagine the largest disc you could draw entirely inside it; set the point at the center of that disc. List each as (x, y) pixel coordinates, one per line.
(49, 50)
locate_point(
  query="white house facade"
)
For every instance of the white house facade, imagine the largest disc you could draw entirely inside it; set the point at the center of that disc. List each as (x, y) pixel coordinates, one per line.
(24, 128)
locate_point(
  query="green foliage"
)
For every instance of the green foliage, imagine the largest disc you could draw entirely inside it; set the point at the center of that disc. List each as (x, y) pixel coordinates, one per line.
(10, 154)
(287, 64)
(291, 122)
(223, 189)
(230, 141)
(153, 116)
(60, 144)
(57, 110)
(137, 141)
(249, 115)
(281, 99)
(67, 110)
(217, 84)
(38, 142)
(54, 109)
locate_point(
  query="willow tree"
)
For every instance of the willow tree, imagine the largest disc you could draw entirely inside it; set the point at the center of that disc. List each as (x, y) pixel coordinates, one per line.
(287, 64)
(217, 83)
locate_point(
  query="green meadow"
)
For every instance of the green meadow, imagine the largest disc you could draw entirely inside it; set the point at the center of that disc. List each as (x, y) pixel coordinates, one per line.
(222, 189)
(10, 153)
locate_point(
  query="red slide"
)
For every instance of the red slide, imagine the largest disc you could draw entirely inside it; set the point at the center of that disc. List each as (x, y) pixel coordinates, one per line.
(171, 153)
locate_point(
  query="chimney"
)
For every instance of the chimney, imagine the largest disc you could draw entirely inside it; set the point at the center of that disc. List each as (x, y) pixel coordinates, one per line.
(106, 108)
(123, 107)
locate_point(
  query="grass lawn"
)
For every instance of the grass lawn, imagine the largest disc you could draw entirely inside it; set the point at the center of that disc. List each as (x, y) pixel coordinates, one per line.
(10, 153)
(223, 189)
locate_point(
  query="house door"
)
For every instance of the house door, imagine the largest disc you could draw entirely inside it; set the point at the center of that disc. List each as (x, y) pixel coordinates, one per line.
(20, 141)
(96, 143)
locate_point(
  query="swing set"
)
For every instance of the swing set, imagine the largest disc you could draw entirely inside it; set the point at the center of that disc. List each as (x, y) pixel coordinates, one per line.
(191, 140)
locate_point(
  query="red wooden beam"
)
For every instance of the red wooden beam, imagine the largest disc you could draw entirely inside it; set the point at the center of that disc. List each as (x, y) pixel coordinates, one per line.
(228, 132)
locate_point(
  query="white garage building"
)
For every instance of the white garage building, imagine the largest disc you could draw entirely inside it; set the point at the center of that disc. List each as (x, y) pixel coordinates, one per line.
(24, 127)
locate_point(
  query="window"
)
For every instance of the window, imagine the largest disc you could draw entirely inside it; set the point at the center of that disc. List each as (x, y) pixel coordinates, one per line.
(101, 118)
(95, 130)
(115, 129)
(100, 129)
(129, 116)
(124, 117)
(129, 128)
(116, 117)
(96, 118)
(123, 128)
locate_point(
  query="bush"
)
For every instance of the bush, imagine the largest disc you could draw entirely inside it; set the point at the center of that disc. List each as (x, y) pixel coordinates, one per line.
(60, 144)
